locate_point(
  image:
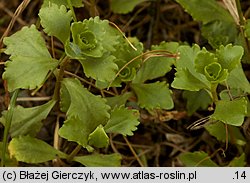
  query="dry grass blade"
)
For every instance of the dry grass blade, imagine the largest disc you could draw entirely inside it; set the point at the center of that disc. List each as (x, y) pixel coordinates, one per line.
(18, 11)
(145, 56)
(201, 123)
(232, 8)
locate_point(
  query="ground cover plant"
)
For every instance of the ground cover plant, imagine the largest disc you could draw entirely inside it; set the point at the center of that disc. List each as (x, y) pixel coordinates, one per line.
(111, 83)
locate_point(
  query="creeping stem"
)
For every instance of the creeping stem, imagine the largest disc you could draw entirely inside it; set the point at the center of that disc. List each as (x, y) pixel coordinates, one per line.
(63, 62)
(214, 93)
(74, 153)
(9, 116)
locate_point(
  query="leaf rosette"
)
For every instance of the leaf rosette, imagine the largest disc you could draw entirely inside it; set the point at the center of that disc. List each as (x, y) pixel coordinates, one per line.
(124, 53)
(217, 66)
(91, 39)
(207, 64)
(92, 43)
(84, 42)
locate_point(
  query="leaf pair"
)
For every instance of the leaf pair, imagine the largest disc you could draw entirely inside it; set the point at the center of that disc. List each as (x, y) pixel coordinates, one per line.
(157, 94)
(89, 117)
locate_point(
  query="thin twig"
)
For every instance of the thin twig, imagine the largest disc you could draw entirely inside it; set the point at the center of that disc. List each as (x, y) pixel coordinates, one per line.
(134, 16)
(56, 136)
(112, 144)
(123, 35)
(24, 99)
(227, 137)
(133, 145)
(228, 91)
(56, 143)
(53, 47)
(174, 146)
(133, 151)
(11, 14)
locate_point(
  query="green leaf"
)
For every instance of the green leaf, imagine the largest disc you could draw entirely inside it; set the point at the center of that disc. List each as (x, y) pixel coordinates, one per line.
(85, 112)
(187, 56)
(231, 94)
(197, 99)
(199, 158)
(185, 80)
(218, 26)
(219, 132)
(238, 161)
(118, 100)
(29, 58)
(229, 56)
(31, 150)
(75, 3)
(56, 21)
(102, 69)
(153, 95)
(124, 6)
(122, 121)
(237, 79)
(98, 137)
(231, 112)
(74, 130)
(220, 32)
(100, 160)
(103, 85)
(157, 66)
(28, 120)
(187, 77)
(206, 10)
